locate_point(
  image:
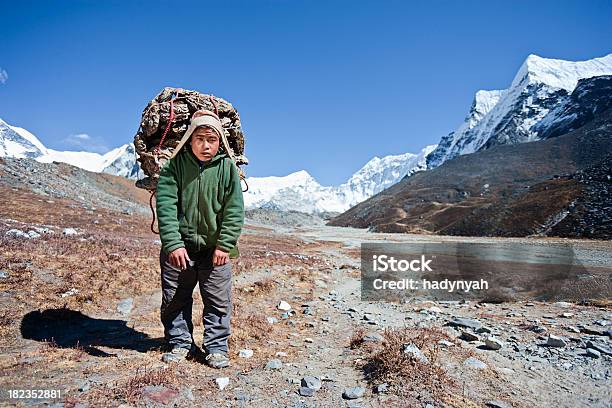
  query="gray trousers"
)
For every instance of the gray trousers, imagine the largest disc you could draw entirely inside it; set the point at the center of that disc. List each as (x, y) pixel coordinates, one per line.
(177, 290)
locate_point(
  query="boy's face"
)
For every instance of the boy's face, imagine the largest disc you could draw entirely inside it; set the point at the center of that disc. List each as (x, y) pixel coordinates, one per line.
(204, 143)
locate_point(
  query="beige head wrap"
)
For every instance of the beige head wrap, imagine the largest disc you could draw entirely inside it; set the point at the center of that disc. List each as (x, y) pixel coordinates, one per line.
(201, 118)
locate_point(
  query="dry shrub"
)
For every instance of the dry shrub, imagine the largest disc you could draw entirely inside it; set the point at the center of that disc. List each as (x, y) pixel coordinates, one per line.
(130, 390)
(261, 287)
(247, 328)
(357, 337)
(409, 377)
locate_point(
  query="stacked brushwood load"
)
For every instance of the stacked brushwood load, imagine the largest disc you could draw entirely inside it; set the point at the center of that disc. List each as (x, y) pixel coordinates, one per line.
(169, 113)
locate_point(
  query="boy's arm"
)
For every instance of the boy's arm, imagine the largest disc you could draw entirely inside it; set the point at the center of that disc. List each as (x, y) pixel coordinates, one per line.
(167, 208)
(232, 213)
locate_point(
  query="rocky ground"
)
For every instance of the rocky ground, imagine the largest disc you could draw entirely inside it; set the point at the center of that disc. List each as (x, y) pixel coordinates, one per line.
(79, 308)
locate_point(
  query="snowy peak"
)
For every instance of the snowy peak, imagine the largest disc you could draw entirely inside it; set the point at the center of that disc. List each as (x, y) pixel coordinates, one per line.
(558, 73)
(122, 162)
(29, 137)
(514, 115)
(19, 143)
(484, 101)
(299, 191)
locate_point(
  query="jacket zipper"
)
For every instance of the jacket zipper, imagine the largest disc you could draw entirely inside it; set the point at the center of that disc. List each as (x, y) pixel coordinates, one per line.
(198, 208)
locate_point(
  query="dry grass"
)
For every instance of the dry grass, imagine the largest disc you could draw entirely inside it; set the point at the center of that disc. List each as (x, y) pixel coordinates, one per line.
(408, 377)
(99, 266)
(248, 328)
(131, 390)
(357, 337)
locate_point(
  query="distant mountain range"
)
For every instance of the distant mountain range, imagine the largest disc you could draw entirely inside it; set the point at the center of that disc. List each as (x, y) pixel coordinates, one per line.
(295, 192)
(535, 100)
(19, 143)
(547, 98)
(533, 159)
(299, 191)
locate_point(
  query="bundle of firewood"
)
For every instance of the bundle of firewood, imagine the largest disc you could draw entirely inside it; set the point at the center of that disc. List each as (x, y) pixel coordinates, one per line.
(154, 123)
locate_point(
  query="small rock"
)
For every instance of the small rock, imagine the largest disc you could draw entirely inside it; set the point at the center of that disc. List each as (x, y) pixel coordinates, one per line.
(287, 314)
(435, 309)
(474, 363)
(44, 230)
(306, 392)
(311, 382)
(567, 315)
(599, 347)
(414, 351)
(374, 337)
(381, 388)
(493, 343)
(272, 320)
(17, 233)
(274, 364)
(555, 341)
(4, 274)
(245, 353)
(593, 353)
(497, 404)
(538, 329)
(467, 336)
(353, 393)
(445, 343)
(33, 234)
(222, 382)
(282, 305)
(69, 231)
(465, 322)
(281, 354)
(593, 330)
(70, 292)
(572, 329)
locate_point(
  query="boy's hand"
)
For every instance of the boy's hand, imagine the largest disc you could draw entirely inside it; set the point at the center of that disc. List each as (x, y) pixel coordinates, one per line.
(179, 258)
(220, 257)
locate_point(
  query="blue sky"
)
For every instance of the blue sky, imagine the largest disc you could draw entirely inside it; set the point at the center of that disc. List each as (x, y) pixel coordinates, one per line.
(320, 85)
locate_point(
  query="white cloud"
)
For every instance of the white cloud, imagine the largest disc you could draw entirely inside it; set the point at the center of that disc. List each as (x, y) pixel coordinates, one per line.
(3, 76)
(85, 142)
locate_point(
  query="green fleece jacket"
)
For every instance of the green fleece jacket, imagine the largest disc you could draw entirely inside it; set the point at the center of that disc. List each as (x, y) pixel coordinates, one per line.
(199, 207)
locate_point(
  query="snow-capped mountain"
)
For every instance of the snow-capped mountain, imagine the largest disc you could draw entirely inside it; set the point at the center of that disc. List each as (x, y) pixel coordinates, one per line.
(19, 143)
(299, 191)
(512, 115)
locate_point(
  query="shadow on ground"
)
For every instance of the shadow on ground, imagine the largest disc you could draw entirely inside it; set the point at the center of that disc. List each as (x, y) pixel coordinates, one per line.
(72, 329)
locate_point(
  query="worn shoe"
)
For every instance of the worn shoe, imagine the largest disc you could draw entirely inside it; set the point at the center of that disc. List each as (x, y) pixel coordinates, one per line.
(217, 360)
(176, 355)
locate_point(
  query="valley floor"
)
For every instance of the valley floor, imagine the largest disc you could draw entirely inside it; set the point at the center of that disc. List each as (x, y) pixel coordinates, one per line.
(79, 313)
